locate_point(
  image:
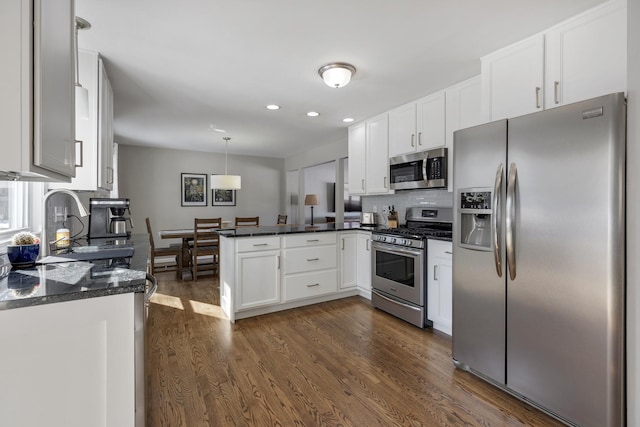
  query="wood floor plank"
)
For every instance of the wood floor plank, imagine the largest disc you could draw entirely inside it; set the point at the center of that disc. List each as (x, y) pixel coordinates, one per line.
(340, 363)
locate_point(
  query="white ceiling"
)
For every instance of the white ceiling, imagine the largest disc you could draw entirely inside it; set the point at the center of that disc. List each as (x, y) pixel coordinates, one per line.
(177, 66)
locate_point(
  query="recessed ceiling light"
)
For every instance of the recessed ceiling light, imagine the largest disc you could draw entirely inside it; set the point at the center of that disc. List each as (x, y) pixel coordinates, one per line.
(313, 114)
(273, 107)
(347, 120)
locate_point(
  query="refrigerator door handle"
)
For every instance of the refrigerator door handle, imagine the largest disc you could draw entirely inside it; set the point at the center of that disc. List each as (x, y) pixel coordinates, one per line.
(510, 220)
(497, 219)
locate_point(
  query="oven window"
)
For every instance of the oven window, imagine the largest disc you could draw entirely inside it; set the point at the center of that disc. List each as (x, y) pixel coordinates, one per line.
(397, 268)
(406, 172)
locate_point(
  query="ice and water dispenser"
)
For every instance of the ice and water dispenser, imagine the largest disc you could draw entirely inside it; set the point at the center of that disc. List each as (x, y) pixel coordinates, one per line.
(475, 219)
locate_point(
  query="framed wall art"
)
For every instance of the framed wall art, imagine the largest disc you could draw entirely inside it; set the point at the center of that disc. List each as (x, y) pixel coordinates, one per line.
(223, 197)
(194, 189)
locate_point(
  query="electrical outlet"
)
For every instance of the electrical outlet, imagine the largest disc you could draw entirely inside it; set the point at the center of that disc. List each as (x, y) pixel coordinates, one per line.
(375, 209)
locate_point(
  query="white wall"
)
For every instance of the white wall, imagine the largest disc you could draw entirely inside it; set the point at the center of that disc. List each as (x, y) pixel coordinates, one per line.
(633, 214)
(150, 177)
(321, 154)
(319, 180)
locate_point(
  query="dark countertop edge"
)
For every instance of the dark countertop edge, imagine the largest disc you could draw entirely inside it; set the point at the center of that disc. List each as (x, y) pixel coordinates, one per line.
(74, 296)
(274, 231)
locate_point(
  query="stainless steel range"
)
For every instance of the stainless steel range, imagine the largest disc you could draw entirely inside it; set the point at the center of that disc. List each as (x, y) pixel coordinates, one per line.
(399, 263)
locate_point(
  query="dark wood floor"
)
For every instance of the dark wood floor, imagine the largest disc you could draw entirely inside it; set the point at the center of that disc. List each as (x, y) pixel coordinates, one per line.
(340, 363)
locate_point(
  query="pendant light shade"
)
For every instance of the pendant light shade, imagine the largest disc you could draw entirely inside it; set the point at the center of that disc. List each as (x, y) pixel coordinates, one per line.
(226, 181)
(337, 74)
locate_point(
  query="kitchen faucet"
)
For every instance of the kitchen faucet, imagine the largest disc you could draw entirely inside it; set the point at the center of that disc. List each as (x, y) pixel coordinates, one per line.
(81, 209)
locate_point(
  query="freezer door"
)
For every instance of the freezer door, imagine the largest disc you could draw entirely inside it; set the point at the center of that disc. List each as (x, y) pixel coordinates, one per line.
(478, 290)
(565, 306)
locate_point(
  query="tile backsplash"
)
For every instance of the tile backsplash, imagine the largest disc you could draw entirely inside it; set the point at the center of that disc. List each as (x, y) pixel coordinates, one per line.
(405, 199)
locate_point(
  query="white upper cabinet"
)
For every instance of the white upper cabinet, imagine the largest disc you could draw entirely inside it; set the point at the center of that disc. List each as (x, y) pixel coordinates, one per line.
(513, 80)
(369, 156)
(587, 56)
(430, 125)
(417, 126)
(37, 101)
(580, 58)
(94, 135)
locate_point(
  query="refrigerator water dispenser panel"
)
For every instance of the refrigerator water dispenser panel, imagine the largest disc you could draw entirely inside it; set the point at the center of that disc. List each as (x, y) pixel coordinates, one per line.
(475, 219)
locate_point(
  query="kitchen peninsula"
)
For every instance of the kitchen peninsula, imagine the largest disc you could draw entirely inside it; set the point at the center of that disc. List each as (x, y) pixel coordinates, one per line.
(268, 269)
(71, 340)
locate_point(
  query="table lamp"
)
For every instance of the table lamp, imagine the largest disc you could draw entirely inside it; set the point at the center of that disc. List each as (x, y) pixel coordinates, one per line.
(311, 200)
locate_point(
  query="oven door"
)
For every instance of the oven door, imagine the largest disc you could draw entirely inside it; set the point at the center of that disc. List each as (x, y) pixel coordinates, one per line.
(398, 272)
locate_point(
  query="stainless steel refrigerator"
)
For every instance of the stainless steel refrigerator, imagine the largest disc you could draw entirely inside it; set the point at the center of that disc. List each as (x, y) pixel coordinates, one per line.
(539, 258)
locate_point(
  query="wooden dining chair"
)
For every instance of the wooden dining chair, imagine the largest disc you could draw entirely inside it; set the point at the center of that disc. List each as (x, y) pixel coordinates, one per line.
(247, 221)
(282, 219)
(174, 253)
(205, 252)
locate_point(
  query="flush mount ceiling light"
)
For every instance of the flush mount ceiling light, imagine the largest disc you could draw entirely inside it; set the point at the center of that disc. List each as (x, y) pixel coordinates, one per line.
(337, 74)
(272, 107)
(82, 94)
(226, 182)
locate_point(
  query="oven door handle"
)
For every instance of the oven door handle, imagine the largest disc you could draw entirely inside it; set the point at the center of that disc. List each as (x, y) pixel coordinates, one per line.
(396, 249)
(410, 307)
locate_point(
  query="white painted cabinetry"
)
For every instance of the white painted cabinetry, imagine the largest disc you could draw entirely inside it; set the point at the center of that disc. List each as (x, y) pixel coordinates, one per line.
(74, 361)
(369, 156)
(439, 284)
(37, 103)
(310, 265)
(578, 59)
(348, 260)
(94, 152)
(257, 272)
(417, 126)
(363, 263)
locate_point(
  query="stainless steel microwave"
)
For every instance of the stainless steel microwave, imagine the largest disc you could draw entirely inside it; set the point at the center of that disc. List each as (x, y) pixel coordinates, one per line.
(426, 169)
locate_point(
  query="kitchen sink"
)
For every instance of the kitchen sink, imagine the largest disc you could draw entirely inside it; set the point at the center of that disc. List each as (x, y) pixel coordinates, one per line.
(89, 253)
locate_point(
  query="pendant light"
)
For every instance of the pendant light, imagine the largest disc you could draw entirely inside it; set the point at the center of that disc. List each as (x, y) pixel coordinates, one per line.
(225, 182)
(82, 94)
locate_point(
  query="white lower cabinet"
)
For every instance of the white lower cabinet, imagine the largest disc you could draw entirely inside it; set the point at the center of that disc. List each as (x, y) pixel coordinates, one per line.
(439, 285)
(305, 285)
(310, 265)
(348, 257)
(257, 272)
(363, 263)
(74, 361)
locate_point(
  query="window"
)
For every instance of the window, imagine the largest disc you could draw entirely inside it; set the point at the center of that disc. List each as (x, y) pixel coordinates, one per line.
(14, 207)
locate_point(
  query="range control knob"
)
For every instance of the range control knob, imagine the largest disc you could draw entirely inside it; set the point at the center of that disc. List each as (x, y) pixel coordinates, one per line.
(408, 242)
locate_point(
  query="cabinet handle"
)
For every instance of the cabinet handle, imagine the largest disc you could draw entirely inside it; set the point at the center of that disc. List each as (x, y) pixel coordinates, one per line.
(413, 144)
(311, 286)
(278, 262)
(363, 183)
(368, 244)
(419, 138)
(555, 92)
(537, 97)
(448, 252)
(313, 240)
(435, 272)
(260, 244)
(81, 153)
(313, 259)
(342, 244)
(385, 182)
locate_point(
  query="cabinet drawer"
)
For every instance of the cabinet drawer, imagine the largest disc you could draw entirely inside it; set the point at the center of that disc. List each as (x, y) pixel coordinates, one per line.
(258, 244)
(310, 239)
(310, 284)
(309, 259)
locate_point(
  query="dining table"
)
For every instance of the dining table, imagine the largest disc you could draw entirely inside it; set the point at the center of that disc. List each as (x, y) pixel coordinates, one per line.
(186, 235)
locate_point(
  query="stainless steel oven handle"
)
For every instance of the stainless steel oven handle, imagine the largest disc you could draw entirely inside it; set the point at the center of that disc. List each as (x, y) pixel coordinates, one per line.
(510, 220)
(396, 249)
(410, 307)
(496, 219)
(424, 167)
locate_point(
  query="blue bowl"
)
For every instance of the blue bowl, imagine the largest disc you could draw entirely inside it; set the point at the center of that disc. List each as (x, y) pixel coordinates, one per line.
(23, 255)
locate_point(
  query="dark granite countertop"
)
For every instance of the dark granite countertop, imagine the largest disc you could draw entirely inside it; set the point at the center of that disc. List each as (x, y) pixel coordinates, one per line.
(277, 230)
(68, 281)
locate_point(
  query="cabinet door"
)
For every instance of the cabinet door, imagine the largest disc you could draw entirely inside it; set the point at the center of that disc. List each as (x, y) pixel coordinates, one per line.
(513, 80)
(587, 56)
(377, 155)
(402, 130)
(439, 285)
(348, 266)
(463, 111)
(364, 262)
(105, 131)
(53, 92)
(258, 280)
(357, 159)
(431, 121)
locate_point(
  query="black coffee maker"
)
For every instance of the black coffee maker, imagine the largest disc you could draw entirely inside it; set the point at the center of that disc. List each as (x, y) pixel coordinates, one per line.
(107, 218)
